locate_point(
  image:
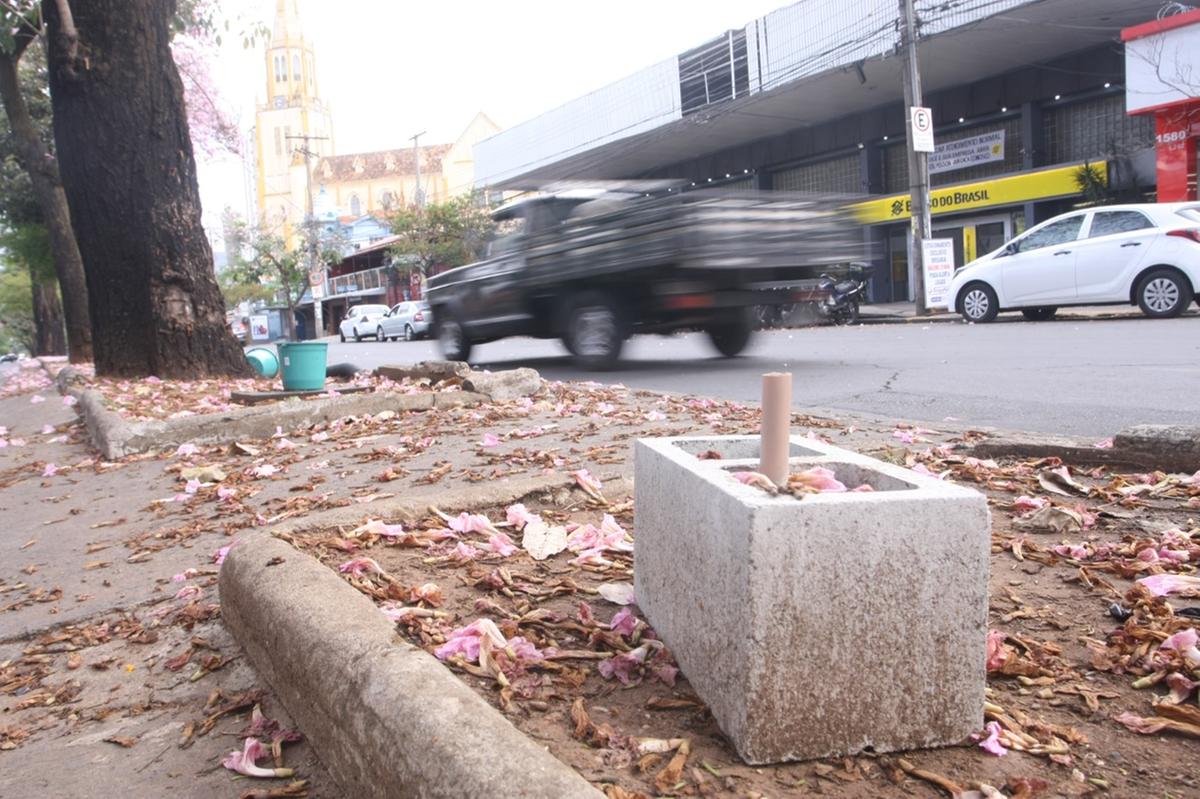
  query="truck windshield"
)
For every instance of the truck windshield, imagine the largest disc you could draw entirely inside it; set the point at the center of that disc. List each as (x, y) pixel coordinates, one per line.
(508, 236)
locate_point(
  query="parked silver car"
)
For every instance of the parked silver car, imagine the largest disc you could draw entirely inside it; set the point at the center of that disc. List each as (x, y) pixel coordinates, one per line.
(407, 320)
(361, 321)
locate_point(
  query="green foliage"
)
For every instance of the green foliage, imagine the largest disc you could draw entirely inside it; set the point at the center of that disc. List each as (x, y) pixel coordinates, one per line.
(17, 330)
(18, 205)
(16, 310)
(443, 235)
(263, 267)
(1092, 184)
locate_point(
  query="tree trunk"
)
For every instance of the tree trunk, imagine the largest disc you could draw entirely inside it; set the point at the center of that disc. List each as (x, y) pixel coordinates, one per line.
(127, 166)
(47, 188)
(47, 319)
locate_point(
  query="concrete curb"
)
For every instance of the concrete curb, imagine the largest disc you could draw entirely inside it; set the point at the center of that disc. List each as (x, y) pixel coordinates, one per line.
(1148, 447)
(1063, 316)
(115, 436)
(387, 719)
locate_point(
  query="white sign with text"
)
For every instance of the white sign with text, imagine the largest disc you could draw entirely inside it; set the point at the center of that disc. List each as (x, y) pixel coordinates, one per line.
(971, 151)
(937, 256)
(922, 128)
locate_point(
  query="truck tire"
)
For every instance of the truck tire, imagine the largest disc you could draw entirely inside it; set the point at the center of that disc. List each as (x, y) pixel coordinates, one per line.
(452, 338)
(594, 331)
(731, 335)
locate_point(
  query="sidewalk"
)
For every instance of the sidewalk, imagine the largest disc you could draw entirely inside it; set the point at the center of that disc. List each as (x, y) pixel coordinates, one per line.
(113, 655)
(885, 313)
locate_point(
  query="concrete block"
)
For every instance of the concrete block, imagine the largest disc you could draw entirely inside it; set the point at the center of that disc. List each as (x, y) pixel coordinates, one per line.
(1172, 448)
(817, 627)
(509, 384)
(425, 370)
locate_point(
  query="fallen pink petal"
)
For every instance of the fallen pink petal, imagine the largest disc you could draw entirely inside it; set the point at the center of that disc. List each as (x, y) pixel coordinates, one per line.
(360, 566)
(1167, 584)
(991, 743)
(624, 622)
(243, 762)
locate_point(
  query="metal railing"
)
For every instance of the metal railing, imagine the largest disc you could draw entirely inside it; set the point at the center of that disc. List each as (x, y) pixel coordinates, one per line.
(358, 281)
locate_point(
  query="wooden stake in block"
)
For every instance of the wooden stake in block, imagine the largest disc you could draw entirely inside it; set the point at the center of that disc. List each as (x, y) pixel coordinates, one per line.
(776, 424)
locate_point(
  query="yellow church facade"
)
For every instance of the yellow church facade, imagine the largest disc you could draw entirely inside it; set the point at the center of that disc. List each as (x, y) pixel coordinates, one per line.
(294, 132)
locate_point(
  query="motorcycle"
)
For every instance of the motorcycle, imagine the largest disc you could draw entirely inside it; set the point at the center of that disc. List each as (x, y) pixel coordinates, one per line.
(841, 306)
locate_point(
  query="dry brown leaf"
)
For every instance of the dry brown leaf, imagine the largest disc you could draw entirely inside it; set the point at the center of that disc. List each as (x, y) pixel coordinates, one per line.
(666, 780)
(122, 742)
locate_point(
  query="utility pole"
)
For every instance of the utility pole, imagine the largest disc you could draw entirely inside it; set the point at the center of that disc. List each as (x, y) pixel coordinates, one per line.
(419, 196)
(311, 234)
(918, 162)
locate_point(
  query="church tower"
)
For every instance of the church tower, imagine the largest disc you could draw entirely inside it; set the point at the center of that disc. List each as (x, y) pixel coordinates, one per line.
(293, 108)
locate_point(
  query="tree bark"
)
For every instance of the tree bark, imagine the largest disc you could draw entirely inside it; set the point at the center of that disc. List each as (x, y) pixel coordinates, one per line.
(47, 188)
(127, 165)
(47, 319)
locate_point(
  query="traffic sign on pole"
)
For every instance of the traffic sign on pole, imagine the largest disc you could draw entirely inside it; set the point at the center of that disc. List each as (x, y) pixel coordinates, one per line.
(922, 129)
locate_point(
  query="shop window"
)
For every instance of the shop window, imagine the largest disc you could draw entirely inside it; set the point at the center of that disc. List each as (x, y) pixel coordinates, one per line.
(1060, 232)
(1110, 223)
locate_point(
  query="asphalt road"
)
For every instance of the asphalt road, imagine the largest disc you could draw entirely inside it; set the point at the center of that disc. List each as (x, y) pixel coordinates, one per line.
(1071, 377)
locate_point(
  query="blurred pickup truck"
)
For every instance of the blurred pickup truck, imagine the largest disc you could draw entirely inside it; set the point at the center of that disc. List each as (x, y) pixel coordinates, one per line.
(594, 266)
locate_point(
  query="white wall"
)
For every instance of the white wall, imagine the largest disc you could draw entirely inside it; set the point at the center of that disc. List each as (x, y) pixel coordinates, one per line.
(1163, 68)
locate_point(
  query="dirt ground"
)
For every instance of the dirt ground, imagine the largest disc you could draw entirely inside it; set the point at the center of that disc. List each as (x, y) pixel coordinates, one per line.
(1063, 688)
(106, 657)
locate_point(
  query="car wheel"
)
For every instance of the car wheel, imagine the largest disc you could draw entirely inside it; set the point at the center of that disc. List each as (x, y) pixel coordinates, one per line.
(408, 333)
(594, 331)
(978, 303)
(733, 333)
(1163, 293)
(452, 338)
(1039, 314)
(379, 334)
(357, 337)
(342, 335)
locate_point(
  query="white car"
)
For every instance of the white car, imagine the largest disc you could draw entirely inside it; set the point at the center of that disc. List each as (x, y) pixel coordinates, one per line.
(362, 320)
(1147, 254)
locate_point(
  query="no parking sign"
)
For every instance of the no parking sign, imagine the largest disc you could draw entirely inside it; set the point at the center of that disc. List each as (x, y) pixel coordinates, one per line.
(922, 129)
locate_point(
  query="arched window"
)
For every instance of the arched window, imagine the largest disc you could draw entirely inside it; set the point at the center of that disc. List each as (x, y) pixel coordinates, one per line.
(296, 67)
(355, 205)
(386, 200)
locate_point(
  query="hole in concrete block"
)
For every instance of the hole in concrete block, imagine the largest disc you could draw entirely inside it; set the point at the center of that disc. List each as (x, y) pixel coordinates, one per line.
(737, 449)
(849, 474)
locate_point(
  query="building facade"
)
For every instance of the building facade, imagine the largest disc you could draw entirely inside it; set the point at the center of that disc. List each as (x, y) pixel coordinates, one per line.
(1162, 67)
(1027, 98)
(380, 182)
(293, 121)
(294, 133)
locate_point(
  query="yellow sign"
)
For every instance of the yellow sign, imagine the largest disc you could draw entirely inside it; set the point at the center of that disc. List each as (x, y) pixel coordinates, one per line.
(968, 244)
(1041, 185)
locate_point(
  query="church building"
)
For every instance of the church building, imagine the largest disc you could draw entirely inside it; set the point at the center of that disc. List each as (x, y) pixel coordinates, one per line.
(294, 132)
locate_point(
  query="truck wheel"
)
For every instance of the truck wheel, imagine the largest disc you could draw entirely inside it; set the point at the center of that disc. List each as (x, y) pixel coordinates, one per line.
(594, 332)
(732, 335)
(452, 339)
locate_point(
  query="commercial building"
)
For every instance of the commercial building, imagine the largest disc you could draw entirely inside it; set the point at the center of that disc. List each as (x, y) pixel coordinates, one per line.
(1162, 67)
(1027, 96)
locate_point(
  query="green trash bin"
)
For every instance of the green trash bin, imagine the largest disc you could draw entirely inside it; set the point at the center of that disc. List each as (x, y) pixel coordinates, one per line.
(303, 364)
(264, 361)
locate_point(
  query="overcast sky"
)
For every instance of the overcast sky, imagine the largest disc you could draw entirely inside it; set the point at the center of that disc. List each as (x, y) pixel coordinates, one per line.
(392, 69)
